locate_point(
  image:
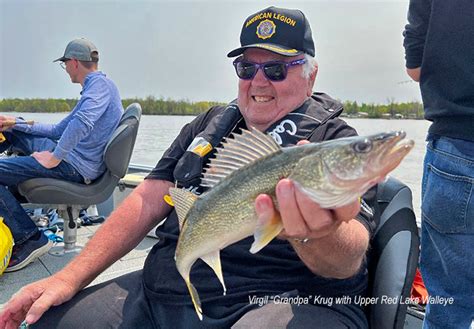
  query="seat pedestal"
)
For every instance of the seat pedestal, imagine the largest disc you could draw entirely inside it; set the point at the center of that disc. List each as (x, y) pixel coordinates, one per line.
(70, 214)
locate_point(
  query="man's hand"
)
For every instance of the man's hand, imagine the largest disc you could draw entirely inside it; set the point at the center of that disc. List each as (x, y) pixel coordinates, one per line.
(414, 73)
(46, 159)
(33, 300)
(335, 244)
(6, 122)
(328, 241)
(303, 218)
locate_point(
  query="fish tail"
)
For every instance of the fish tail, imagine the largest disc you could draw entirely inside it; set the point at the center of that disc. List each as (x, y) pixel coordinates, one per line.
(195, 298)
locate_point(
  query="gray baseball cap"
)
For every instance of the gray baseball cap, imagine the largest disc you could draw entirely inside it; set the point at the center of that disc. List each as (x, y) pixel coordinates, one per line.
(80, 49)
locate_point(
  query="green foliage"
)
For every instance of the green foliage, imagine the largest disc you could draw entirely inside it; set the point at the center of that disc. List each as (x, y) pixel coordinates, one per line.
(392, 110)
(36, 105)
(154, 106)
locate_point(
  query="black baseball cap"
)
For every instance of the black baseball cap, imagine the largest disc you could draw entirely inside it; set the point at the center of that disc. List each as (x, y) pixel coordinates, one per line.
(282, 31)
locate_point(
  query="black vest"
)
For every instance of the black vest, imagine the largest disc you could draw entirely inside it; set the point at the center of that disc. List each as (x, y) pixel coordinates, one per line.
(302, 123)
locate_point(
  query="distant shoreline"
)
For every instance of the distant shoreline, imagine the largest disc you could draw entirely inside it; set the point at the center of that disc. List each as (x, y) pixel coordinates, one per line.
(160, 106)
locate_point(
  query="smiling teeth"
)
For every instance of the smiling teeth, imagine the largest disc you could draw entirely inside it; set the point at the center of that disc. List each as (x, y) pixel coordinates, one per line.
(262, 99)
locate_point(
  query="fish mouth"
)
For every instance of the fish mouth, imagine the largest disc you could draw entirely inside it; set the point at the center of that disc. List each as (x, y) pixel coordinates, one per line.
(396, 148)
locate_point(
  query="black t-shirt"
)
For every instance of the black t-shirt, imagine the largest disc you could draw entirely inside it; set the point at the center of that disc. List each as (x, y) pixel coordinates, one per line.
(273, 270)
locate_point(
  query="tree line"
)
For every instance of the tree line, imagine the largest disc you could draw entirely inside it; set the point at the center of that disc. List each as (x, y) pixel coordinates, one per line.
(409, 110)
(161, 106)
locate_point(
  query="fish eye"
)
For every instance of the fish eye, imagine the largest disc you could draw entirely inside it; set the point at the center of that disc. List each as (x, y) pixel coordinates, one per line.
(363, 146)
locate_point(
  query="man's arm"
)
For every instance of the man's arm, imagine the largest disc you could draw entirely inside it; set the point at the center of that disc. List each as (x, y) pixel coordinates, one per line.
(336, 244)
(141, 211)
(49, 130)
(415, 35)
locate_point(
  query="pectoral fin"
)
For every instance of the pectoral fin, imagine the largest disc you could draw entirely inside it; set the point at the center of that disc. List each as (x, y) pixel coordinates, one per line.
(213, 259)
(266, 231)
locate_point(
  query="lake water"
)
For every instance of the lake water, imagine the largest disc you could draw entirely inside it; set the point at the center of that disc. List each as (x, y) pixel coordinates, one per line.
(157, 132)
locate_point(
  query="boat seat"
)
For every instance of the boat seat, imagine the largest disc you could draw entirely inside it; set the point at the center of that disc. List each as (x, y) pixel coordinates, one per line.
(393, 256)
(69, 198)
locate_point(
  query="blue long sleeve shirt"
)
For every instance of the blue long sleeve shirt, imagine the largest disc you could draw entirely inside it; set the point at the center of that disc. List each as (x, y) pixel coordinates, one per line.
(439, 38)
(83, 134)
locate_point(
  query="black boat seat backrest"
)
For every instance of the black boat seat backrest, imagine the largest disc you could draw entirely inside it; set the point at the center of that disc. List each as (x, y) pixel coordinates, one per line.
(393, 255)
(120, 147)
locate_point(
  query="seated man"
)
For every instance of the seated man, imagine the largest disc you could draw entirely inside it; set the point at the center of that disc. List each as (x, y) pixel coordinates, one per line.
(71, 150)
(321, 252)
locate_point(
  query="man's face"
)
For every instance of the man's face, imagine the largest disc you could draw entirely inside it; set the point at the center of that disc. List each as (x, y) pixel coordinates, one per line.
(72, 69)
(262, 101)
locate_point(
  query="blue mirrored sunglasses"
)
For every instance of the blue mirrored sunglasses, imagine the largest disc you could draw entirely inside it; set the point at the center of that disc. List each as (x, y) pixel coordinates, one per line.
(274, 71)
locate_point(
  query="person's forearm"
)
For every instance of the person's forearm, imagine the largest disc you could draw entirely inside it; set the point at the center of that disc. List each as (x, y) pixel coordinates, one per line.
(338, 255)
(120, 233)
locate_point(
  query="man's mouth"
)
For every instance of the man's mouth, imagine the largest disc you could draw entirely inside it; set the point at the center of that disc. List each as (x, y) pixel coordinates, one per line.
(262, 99)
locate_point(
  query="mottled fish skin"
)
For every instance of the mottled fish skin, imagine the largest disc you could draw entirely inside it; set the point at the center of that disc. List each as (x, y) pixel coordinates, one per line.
(233, 200)
(332, 173)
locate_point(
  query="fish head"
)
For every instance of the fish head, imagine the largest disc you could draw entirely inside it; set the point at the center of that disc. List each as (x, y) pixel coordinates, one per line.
(364, 159)
(337, 172)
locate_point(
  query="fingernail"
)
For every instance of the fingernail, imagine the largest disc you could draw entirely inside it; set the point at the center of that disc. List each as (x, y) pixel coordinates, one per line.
(285, 188)
(261, 206)
(30, 318)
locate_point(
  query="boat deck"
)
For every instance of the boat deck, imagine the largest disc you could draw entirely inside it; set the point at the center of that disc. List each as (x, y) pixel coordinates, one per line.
(47, 264)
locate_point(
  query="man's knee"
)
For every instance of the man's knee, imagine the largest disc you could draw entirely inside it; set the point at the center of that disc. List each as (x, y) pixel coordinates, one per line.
(99, 306)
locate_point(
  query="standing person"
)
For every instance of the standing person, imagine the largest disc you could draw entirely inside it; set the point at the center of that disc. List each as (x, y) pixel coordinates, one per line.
(439, 48)
(71, 150)
(324, 250)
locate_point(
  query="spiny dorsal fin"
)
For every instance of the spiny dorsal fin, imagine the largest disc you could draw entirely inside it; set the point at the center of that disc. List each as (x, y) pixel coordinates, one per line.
(237, 152)
(183, 201)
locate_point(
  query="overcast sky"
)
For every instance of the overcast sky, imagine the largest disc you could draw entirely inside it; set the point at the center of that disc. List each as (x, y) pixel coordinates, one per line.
(177, 49)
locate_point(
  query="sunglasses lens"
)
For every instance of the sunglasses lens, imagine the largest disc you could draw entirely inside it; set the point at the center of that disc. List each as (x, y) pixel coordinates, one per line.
(245, 70)
(275, 71)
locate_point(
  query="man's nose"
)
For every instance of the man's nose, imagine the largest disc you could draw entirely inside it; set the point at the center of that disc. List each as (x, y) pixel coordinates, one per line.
(260, 78)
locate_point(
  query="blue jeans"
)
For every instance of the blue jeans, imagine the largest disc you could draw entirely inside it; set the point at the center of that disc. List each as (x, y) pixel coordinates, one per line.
(14, 170)
(447, 238)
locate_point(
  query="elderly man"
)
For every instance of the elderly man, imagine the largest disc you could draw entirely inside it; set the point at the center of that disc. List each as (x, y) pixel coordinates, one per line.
(71, 150)
(320, 254)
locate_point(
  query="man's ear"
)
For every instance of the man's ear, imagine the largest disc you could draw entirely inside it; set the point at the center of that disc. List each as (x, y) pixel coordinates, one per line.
(312, 80)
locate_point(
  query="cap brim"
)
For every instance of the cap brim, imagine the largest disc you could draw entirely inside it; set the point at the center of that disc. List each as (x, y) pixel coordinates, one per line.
(62, 59)
(285, 51)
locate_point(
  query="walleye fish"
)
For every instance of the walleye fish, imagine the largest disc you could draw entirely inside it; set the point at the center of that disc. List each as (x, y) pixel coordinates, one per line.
(332, 173)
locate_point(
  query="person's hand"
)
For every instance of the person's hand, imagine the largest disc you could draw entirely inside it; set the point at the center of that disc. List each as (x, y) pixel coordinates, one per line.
(414, 74)
(302, 218)
(6, 122)
(32, 301)
(46, 159)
